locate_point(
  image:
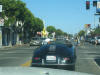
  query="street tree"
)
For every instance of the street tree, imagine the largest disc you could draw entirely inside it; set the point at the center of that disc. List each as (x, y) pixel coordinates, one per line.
(81, 33)
(59, 32)
(16, 11)
(97, 31)
(51, 29)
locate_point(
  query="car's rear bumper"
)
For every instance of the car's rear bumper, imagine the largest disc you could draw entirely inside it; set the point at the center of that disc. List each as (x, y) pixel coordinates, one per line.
(54, 65)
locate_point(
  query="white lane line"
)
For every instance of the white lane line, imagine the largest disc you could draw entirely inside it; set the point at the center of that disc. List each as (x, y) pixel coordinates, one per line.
(92, 60)
(2, 54)
(85, 58)
(10, 58)
(18, 48)
(82, 47)
(96, 64)
(91, 52)
(88, 58)
(10, 52)
(92, 56)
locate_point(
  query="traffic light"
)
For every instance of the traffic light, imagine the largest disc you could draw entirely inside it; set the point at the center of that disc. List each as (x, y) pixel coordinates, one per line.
(95, 3)
(87, 5)
(98, 7)
(88, 25)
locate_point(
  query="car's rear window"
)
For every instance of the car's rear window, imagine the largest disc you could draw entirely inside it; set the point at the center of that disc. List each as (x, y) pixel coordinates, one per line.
(59, 49)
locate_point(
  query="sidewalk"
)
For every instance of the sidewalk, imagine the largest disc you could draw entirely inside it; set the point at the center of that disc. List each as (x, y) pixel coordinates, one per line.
(14, 46)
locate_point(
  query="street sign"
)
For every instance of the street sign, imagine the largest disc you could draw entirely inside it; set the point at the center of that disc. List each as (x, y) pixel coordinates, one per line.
(0, 8)
(87, 25)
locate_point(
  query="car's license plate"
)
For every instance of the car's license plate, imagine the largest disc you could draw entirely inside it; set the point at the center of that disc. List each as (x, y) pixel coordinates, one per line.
(51, 58)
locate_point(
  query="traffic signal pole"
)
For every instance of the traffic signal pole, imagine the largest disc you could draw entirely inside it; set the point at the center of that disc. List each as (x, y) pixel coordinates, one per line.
(96, 4)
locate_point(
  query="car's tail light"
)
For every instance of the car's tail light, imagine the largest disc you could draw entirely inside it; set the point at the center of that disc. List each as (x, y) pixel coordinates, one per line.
(36, 58)
(66, 58)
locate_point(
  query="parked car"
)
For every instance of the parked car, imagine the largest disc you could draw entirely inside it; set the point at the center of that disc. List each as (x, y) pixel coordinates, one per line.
(35, 41)
(97, 40)
(54, 55)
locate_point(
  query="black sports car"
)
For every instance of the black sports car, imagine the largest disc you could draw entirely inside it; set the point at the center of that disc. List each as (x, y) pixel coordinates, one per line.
(55, 55)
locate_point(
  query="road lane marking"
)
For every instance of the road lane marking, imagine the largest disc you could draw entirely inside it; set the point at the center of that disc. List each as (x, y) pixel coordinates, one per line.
(88, 52)
(92, 61)
(88, 58)
(27, 64)
(3, 58)
(96, 64)
(10, 52)
(85, 58)
(2, 54)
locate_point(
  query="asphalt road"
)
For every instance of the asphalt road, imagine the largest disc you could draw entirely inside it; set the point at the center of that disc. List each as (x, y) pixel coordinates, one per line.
(86, 56)
(15, 56)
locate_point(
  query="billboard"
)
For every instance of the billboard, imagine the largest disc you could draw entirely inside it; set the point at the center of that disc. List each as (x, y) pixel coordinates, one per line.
(98, 7)
(87, 25)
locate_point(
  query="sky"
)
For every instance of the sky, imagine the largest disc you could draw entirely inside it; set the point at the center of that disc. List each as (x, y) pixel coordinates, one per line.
(67, 15)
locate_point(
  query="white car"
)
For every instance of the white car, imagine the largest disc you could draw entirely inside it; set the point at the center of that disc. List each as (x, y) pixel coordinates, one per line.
(97, 40)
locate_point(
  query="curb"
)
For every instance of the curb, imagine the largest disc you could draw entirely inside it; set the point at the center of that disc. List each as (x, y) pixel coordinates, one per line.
(5, 47)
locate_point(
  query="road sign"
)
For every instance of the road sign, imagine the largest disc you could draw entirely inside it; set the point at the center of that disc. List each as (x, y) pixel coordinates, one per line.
(87, 25)
(0, 8)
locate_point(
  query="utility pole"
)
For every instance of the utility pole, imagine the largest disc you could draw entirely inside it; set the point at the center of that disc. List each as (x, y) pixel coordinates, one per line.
(1, 24)
(94, 20)
(96, 4)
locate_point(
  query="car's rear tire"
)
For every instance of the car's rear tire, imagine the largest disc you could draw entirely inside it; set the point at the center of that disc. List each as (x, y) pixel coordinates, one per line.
(70, 67)
(73, 68)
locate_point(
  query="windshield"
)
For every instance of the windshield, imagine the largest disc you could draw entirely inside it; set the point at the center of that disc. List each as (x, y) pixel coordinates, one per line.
(27, 26)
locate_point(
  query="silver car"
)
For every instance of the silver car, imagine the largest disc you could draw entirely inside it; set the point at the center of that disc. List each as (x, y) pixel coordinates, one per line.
(35, 42)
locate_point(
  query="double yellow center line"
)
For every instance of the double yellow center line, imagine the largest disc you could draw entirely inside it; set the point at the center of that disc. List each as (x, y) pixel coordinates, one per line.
(27, 64)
